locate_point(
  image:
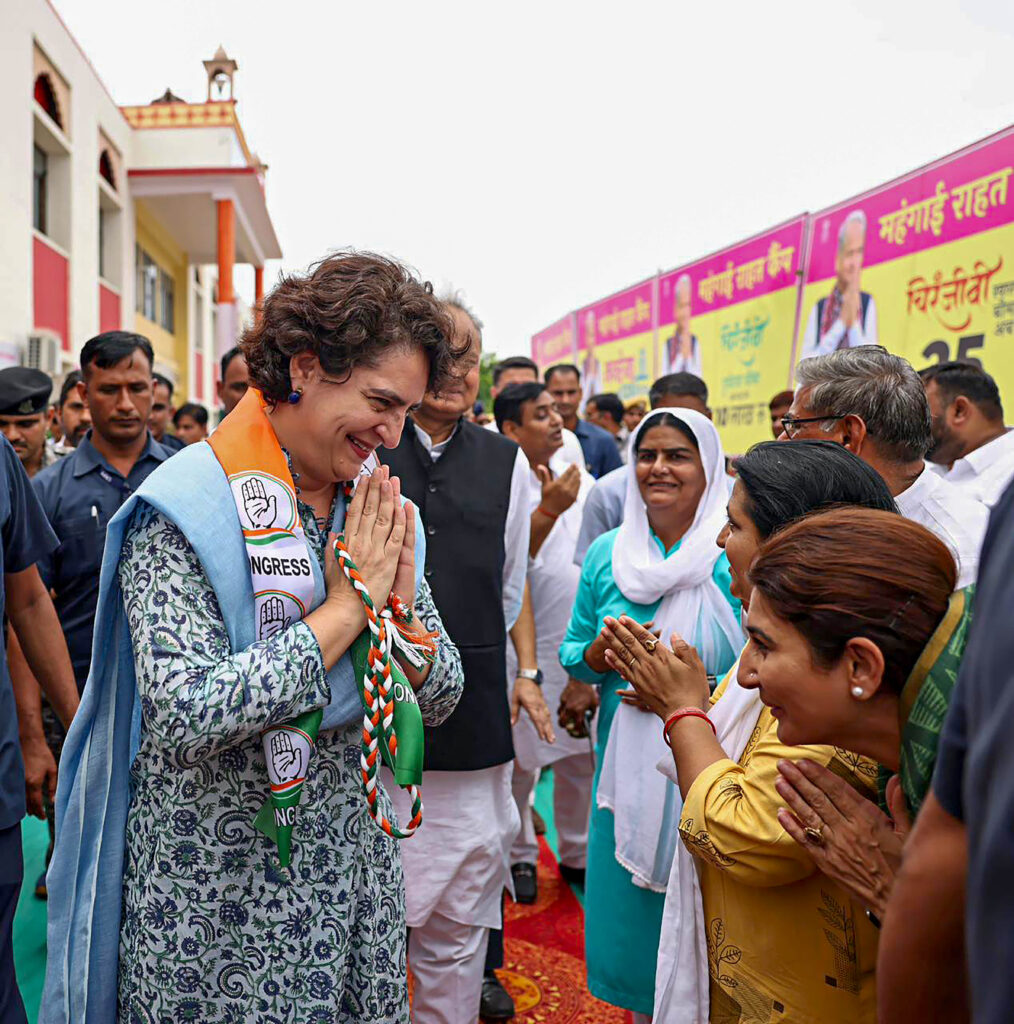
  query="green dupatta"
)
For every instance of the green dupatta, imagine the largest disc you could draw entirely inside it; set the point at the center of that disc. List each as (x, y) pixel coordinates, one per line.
(926, 697)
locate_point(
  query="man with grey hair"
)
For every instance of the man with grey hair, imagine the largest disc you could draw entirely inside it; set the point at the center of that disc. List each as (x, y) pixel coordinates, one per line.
(682, 349)
(874, 404)
(847, 318)
(472, 491)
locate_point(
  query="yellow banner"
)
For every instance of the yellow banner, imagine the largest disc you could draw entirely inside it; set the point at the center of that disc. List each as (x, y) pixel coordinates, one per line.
(626, 366)
(729, 319)
(952, 301)
(745, 353)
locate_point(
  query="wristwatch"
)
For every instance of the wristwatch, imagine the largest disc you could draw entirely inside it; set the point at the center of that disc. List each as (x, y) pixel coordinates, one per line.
(535, 674)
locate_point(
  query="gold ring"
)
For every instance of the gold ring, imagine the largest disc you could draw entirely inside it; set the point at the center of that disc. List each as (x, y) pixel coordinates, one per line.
(650, 644)
(815, 835)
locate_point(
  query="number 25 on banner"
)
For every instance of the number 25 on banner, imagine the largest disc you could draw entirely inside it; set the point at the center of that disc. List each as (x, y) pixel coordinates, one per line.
(941, 350)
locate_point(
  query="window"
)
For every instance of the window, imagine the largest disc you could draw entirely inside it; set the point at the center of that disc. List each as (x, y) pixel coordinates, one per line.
(166, 296)
(40, 184)
(150, 279)
(156, 292)
(106, 168)
(46, 98)
(102, 242)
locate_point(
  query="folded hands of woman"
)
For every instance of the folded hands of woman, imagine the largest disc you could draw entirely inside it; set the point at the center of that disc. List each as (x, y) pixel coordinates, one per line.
(664, 679)
(379, 534)
(848, 837)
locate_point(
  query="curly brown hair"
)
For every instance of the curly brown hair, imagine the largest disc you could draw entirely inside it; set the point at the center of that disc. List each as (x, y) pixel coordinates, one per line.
(347, 310)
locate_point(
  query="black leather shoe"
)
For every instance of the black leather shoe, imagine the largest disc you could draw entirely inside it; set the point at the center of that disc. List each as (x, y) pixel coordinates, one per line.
(496, 1004)
(574, 876)
(526, 886)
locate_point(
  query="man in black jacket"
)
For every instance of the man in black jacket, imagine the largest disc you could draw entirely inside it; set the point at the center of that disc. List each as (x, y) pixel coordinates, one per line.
(471, 487)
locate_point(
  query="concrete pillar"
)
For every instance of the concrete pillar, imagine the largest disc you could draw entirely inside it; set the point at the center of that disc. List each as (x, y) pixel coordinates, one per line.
(258, 290)
(226, 326)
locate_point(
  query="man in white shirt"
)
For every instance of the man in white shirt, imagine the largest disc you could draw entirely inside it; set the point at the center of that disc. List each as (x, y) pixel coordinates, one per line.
(972, 447)
(847, 318)
(874, 404)
(603, 511)
(525, 413)
(471, 488)
(522, 370)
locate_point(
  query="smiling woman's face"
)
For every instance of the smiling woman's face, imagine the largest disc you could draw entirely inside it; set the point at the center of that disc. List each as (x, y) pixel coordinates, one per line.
(740, 540)
(338, 424)
(669, 470)
(811, 704)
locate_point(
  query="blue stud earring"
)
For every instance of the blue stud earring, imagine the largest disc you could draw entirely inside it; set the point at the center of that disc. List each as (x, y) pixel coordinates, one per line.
(295, 395)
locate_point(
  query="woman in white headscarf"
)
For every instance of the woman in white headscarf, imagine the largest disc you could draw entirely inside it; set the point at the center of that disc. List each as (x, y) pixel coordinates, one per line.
(660, 566)
(752, 931)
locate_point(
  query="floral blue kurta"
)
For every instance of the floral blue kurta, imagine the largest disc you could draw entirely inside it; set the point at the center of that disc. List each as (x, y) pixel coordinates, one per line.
(213, 929)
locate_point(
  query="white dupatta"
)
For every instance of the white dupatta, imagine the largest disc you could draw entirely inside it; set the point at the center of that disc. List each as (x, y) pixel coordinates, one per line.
(681, 974)
(645, 805)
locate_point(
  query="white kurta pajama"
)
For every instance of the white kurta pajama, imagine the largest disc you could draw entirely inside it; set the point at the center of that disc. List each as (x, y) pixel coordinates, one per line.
(457, 865)
(552, 580)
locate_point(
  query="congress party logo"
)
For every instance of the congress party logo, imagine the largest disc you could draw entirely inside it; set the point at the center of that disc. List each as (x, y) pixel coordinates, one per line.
(287, 751)
(264, 501)
(276, 610)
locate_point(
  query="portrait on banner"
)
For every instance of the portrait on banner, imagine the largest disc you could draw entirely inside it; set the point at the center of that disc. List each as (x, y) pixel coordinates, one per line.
(847, 318)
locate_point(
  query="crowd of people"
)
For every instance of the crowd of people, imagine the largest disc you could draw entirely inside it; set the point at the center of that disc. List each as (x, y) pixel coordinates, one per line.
(284, 691)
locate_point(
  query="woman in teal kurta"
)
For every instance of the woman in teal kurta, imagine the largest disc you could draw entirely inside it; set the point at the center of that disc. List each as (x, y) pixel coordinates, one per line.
(622, 919)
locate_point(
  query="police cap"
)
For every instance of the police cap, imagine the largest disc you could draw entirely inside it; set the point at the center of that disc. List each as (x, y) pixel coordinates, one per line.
(23, 391)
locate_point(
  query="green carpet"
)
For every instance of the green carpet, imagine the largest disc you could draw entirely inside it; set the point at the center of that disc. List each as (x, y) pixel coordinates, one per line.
(30, 919)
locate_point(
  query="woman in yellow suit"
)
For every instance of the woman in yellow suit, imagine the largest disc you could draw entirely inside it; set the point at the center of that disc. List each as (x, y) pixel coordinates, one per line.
(756, 933)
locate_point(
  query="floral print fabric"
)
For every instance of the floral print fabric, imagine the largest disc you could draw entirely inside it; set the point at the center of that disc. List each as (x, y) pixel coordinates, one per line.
(213, 929)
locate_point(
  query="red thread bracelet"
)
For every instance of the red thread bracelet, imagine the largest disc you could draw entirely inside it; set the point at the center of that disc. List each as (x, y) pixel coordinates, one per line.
(546, 512)
(685, 713)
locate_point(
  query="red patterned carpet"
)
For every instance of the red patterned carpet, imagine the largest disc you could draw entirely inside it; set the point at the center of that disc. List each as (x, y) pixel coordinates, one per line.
(544, 956)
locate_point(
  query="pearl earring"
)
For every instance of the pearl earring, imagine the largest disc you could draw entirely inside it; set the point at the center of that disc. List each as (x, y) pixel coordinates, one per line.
(857, 691)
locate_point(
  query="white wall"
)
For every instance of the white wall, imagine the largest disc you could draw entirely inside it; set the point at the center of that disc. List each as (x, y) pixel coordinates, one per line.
(16, 128)
(188, 147)
(91, 109)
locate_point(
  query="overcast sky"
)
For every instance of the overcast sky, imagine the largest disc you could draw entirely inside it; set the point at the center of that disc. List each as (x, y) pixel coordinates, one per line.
(538, 156)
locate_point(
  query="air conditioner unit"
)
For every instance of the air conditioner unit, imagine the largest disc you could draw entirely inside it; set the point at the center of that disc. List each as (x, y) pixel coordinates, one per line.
(42, 353)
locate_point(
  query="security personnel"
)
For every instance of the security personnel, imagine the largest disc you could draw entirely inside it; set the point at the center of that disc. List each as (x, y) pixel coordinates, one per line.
(162, 413)
(24, 404)
(25, 538)
(84, 490)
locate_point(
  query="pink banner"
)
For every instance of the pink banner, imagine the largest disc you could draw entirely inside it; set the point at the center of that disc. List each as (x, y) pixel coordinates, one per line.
(555, 344)
(765, 263)
(950, 199)
(616, 342)
(620, 316)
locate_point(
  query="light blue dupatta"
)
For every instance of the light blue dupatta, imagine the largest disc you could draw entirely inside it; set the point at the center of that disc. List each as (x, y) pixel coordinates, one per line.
(85, 877)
